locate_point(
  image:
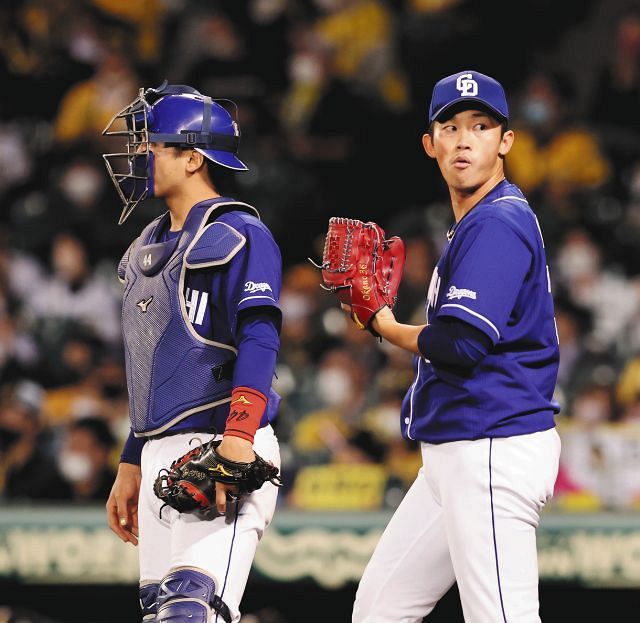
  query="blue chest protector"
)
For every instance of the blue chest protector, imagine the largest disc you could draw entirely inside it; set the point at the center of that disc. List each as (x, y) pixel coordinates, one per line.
(172, 372)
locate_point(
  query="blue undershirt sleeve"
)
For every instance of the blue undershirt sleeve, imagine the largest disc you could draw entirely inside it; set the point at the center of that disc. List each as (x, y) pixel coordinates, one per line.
(132, 451)
(453, 342)
(258, 344)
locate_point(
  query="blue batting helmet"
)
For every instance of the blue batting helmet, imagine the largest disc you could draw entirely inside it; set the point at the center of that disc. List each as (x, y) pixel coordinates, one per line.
(174, 115)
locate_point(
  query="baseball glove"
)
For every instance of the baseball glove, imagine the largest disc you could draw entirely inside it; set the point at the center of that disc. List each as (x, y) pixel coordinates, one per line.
(362, 268)
(189, 484)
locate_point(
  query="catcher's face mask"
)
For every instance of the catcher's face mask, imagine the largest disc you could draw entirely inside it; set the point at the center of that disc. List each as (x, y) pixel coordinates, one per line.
(132, 170)
(174, 115)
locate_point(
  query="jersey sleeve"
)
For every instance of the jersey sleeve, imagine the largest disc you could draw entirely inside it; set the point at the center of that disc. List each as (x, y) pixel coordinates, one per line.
(487, 271)
(254, 275)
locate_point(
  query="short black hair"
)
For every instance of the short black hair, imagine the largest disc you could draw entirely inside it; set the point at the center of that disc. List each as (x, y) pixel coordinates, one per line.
(461, 106)
(222, 178)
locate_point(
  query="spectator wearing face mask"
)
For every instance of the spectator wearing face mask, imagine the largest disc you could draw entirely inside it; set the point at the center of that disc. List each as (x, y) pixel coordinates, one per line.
(84, 460)
(74, 200)
(592, 286)
(340, 386)
(75, 292)
(553, 152)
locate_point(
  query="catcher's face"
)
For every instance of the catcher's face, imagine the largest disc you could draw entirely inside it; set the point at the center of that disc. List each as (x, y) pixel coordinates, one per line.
(468, 148)
(172, 168)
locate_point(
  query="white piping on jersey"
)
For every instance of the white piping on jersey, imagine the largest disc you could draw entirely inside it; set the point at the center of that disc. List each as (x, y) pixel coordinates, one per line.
(262, 296)
(183, 272)
(413, 389)
(510, 197)
(476, 314)
(540, 232)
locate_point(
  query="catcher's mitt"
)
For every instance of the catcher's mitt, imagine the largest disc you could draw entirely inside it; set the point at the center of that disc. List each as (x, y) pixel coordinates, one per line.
(362, 268)
(189, 484)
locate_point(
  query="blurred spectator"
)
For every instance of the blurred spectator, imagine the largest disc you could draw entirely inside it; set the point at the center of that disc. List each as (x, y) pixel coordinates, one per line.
(582, 360)
(75, 292)
(84, 459)
(19, 356)
(300, 301)
(600, 466)
(317, 112)
(551, 150)
(360, 35)
(221, 62)
(145, 17)
(15, 160)
(87, 108)
(579, 266)
(268, 30)
(592, 406)
(341, 386)
(99, 388)
(27, 470)
(628, 387)
(354, 480)
(616, 94)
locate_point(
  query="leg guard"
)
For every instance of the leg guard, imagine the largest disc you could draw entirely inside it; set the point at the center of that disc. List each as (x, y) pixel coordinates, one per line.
(149, 601)
(187, 595)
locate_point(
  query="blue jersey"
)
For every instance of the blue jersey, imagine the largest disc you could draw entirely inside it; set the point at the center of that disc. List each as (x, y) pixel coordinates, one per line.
(493, 275)
(214, 299)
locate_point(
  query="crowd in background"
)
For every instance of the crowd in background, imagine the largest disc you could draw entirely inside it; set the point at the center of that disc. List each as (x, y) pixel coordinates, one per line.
(332, 98)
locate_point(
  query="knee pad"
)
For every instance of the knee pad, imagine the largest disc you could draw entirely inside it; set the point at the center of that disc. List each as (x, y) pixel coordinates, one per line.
(188, 595)
(149, 601)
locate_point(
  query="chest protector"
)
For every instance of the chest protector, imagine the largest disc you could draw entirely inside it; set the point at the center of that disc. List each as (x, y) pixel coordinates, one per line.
(172, 372)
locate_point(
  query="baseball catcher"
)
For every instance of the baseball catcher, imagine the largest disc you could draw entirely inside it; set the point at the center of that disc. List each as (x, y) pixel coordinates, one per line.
(362, 268)
(200, 325)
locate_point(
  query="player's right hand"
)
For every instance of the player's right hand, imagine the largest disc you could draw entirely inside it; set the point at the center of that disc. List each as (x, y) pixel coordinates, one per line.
(122, 505)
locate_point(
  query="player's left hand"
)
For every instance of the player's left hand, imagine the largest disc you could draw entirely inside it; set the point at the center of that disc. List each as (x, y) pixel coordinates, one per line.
(234, 449)
(362, 268)
(380, 321)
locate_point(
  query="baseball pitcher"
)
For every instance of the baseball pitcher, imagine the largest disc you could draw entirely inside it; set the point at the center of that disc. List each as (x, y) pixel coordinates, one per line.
(486, 362)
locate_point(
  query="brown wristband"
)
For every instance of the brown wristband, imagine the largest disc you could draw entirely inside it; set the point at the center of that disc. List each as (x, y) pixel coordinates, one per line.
(247, 407)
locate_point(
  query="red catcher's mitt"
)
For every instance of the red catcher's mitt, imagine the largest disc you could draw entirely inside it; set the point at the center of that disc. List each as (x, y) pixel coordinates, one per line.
(362, 268)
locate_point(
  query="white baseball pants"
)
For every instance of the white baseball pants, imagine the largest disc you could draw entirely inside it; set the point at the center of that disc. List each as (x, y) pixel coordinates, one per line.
(470, 517)
(223, 547)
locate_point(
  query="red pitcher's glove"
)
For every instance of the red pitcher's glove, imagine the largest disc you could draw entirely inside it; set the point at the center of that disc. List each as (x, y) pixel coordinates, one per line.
(362, 268)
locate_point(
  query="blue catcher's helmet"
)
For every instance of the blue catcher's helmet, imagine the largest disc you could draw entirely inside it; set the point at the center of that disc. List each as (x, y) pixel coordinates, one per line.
(171, 114)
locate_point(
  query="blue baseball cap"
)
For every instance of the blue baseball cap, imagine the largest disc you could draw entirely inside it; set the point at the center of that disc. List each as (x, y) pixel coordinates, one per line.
(468, 86)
